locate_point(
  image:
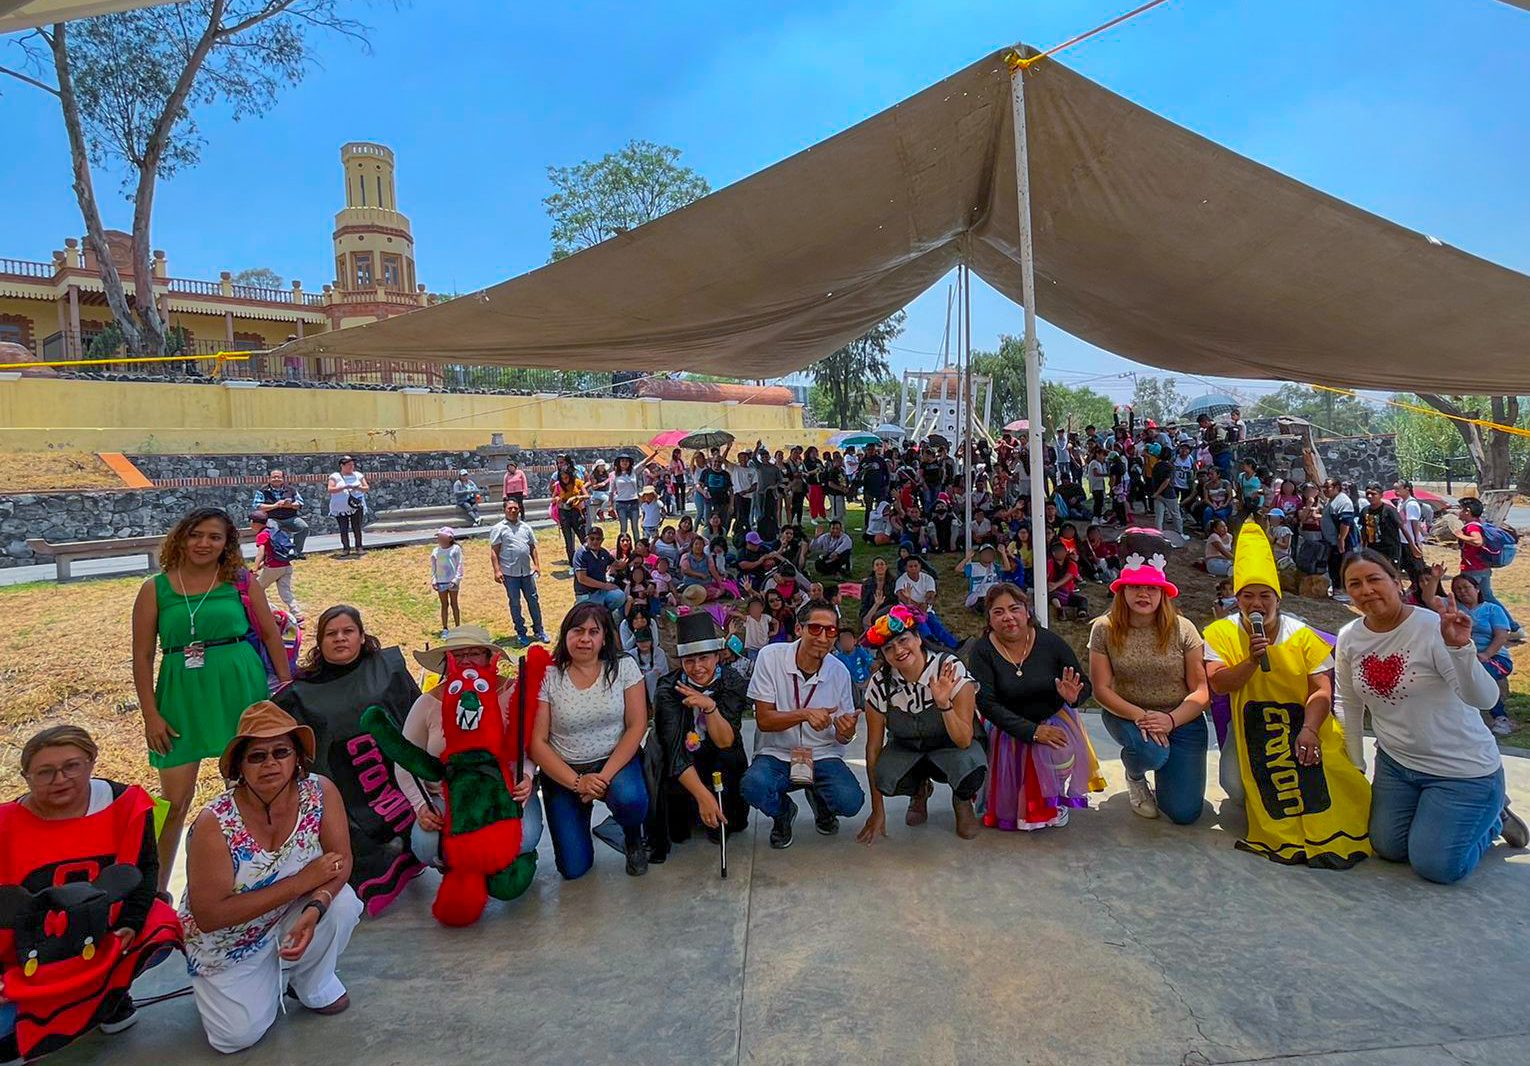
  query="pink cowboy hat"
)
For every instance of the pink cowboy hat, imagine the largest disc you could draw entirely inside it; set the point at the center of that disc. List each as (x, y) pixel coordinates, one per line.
(1135, 570)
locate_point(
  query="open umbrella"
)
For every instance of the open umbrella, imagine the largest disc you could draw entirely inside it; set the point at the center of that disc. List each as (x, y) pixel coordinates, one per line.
(670, 438)
(1433, 499)
(706, 438)
(1019, 425)
(1211, 404)
(938, 440)
(854, 438)
(888, 429)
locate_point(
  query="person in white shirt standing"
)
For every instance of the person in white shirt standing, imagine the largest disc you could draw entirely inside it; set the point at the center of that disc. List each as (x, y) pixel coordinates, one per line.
(1438, 799)
(804, 709)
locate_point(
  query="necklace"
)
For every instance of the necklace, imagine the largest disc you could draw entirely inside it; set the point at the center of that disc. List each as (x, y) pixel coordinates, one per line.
(1019, 664)
(190, 610)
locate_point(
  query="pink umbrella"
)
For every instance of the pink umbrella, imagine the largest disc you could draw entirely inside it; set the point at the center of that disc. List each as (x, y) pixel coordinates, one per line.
(1019, 425)
(1432, 499)
(669, 438)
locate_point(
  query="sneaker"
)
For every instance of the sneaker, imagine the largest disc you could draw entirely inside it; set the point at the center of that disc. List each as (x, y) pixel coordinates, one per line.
(359, 554)
(824, 820)
(1502, 725)
(1140, 796)
(637, 855)
(444, 632)
(543, 638)
(337, 1007)
(781, 827)
(919, 806)
(967, 823)
(1515, 832)
(523, 641)
(123, 1016)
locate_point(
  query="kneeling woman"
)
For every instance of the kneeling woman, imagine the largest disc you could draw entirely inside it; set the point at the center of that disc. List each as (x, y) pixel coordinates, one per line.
(78, 917)
(472, 647)
(699, 721)
(1040, 761)
(1306, 802)
(267, 904)
(590, 722)
(1149, 673)
(1437, 801)
(920, 724)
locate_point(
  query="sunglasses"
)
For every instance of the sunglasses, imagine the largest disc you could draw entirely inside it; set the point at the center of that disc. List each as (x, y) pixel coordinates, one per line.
(820, 629)
(256, 758)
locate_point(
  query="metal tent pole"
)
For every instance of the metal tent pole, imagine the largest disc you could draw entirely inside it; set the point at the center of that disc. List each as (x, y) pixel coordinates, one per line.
(968, 454)
(1032, 359)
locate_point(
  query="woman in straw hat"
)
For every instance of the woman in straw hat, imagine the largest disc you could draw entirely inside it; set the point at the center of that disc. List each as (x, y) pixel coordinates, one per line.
(266, 893)
(1285, 760)
(471, 647)
(1147, 665)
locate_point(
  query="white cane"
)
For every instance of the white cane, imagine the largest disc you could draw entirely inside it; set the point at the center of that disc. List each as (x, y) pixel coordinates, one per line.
(717, 787)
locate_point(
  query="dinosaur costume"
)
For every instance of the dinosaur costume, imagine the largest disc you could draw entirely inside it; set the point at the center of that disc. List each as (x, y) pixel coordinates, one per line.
(481, 830)
(1318, 815)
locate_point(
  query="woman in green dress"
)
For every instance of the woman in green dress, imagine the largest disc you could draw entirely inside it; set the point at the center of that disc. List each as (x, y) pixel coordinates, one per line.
(209, 671)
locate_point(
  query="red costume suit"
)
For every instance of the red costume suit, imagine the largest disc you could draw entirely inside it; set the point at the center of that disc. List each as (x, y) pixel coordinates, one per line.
(65, 885)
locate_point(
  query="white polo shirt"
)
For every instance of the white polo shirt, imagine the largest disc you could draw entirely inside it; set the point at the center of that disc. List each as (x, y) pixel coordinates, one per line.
(776, 678)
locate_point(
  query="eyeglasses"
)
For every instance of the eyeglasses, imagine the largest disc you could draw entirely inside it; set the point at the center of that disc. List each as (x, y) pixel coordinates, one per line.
(820, 629)
(256, 758)
(74, 768)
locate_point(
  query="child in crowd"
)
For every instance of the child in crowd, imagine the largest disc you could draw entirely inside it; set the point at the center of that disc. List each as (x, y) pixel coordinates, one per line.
(663, 581)
(983, 568)
(1102, 555)
(830, 594)
(782, 613)
(759, 628)
(733, 657)
(640, 592)
(1062, 582)
(857, 660)
(273, 561)
(446, 575)
(651, 512)
(669, 548)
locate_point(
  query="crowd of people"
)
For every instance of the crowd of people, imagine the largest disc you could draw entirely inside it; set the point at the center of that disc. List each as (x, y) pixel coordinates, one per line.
(726, 596)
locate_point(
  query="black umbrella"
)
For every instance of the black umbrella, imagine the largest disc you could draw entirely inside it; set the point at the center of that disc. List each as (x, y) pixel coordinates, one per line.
(1211, 405)
(937, 440)
(707, 438)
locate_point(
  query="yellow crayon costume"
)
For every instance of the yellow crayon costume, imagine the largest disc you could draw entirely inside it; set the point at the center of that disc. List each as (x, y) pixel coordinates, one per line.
(1318, 815)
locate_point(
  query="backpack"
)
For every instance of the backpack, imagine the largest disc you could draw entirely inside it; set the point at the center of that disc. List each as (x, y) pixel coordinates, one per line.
(1499, 544)
(279, 544)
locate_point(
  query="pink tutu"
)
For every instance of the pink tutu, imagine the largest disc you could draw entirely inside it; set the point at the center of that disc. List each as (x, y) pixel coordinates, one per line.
(1027, 783)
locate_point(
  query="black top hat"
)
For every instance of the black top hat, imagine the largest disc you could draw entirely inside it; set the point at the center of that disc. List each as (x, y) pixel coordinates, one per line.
(697, 633)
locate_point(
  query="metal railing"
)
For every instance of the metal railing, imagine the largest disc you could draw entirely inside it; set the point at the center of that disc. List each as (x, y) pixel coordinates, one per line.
(196, 288)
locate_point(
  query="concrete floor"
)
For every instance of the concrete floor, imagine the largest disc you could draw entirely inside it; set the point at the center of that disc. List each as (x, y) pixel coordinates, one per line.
(1114, 940)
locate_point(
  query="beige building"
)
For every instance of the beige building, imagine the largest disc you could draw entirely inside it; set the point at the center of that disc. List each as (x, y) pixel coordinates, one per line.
(54, 308)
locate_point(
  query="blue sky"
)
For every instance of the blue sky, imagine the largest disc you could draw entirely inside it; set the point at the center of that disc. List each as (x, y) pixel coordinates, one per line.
(1413, 109)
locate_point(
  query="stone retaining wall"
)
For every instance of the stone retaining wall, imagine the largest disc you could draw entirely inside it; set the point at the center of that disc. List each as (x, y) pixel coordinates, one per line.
(1351, 459)
(184, 482)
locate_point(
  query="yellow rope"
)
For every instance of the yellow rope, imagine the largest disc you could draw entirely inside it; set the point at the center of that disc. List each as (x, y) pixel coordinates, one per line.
(1518, 431)
(220, 357)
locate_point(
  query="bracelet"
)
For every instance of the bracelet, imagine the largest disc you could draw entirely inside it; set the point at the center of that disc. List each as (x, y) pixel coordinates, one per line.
(329, 897)
(316, 905)
(577, 778)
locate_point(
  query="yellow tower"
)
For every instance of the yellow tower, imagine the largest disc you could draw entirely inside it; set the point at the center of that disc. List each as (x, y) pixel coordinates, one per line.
(374, 248)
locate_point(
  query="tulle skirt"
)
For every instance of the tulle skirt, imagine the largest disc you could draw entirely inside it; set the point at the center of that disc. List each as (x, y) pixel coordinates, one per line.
(1028, 783)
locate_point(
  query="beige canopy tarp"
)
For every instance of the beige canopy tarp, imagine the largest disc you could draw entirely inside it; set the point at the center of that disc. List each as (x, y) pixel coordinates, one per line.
(1151, 242)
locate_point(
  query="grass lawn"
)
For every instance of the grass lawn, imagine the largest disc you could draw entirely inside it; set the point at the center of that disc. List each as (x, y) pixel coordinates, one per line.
(65, 654)
(56, 472)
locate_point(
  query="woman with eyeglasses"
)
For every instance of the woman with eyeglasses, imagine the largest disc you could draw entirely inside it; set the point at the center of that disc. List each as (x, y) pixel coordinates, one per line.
(66, 978)
(267, 907)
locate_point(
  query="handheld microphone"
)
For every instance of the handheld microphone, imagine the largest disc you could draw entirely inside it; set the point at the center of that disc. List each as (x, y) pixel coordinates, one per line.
(1256, 623)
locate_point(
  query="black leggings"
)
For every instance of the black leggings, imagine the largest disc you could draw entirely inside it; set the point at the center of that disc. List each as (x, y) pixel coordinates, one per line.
(571, 523)
(350, 523)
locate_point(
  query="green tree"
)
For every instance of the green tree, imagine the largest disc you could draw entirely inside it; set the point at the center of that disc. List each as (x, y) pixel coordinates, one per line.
(1494, 452)
(1157, 398)
(260, 278)
(127, 86)
(1332, 413)
(848, 379)
(620, 191)
(1006, 369)
(1074, 406)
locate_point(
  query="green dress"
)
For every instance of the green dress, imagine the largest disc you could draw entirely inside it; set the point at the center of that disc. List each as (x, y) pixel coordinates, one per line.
(204, 705)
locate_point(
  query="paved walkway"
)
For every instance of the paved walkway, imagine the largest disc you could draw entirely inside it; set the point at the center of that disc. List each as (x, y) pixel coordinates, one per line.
(1113, 941)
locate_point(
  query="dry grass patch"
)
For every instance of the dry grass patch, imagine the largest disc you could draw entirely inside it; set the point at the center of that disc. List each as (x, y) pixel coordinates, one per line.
(55, 472)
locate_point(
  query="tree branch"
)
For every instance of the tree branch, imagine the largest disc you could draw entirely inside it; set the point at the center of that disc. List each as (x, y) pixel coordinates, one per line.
(44, 86)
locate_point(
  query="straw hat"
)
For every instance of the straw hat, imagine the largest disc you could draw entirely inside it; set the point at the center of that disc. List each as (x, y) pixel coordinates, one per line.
(695, 595)
(460, 639)
(262, 721)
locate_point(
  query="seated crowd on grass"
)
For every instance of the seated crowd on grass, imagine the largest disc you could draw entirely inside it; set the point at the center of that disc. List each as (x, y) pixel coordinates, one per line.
(725, 595)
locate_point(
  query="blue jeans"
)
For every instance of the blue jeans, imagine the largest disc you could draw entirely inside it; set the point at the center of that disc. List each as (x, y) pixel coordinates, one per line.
(426, 843)
(568, 817)
(1484, 580)
(627, 516)
(1179, 771)
(933, 628)
(767, 781)
(1438, 825)
(297, 529)
(612, 599)
(515, 588)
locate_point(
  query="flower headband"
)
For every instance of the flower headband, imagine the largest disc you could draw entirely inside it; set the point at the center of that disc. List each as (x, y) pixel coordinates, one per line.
(890, 626)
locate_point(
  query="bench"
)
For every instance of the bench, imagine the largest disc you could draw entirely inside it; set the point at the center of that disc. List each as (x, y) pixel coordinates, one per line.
(66, 552)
